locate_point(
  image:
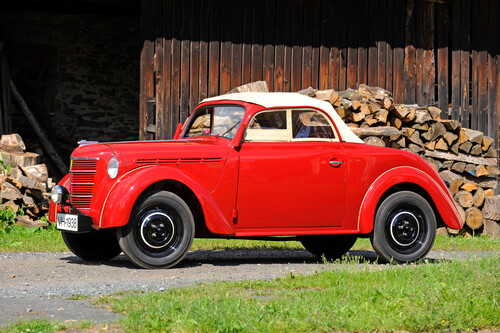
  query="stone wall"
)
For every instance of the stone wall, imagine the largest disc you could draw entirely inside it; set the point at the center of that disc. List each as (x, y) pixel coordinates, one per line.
(96, 72)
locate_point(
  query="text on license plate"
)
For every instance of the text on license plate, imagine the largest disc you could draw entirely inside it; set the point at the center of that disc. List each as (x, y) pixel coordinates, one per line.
(67, 222)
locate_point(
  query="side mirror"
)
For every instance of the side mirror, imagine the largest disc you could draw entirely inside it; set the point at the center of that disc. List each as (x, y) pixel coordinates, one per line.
(178, 131)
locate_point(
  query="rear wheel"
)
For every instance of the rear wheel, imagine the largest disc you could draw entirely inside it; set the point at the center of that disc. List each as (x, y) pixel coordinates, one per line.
(93, 246)
(160, 231)
(404, 228)
(330, 246)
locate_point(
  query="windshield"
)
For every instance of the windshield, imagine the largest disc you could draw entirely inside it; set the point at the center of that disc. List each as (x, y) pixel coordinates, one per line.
(222, 121)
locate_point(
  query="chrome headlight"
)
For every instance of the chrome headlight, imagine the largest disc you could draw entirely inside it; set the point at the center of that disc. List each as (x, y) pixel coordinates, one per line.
(113, 167)
(59, 194)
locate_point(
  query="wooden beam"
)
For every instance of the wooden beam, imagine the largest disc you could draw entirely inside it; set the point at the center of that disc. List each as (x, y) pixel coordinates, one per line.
(40, 132)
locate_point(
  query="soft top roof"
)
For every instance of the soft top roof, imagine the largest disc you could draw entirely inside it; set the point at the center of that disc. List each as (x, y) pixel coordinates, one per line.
(287, 99)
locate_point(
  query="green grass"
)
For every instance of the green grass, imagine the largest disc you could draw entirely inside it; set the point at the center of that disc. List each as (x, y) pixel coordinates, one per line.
(20, 239)
(448, 296)
(37, 325)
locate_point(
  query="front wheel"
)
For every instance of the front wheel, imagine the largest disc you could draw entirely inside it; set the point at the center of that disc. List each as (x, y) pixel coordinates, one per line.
(160, 231)
(96, 245)
(329, 246)
(404, 228)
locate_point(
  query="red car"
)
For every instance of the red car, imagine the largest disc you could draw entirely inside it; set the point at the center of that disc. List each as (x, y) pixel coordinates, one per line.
(250, 165)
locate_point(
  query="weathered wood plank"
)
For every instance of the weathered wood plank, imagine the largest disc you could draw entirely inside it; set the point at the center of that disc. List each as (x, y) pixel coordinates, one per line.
(382, 44)
(279, 49)
(307, 39)
(389, 85)
(372, 43)
(326, 41)
(225, 47)
(455, 60)
(316, 43)
(429, 72)
(146, 88)
(419, 52)
(257, 40)
(287, 63)
(214, 49)
(399, 29)
(159, 63)
(482, 66)
(465, 63)
(442, 46)
(246, 58)
(343, 9)
(474, 64)
(185, 56)
(236, 45)
(175, 93)
(297, 35)
(352, 51)
(269, 42)
(363, 25)
(164, 128)
(493, 55)
(194, 63)
(409, 60)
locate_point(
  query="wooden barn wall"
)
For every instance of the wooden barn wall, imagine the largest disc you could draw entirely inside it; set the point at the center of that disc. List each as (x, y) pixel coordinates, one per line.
(425, 52)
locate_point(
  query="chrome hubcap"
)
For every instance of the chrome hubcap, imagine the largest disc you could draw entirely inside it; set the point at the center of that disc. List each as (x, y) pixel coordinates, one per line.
(404, 228)
(157, 229)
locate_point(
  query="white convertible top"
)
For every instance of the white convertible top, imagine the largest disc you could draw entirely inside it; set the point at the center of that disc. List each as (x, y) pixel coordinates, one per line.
(287, 99)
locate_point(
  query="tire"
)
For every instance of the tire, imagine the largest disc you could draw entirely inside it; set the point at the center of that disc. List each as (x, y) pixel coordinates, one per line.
(330, 246)
(160, 231)
(96, 245)
(404, 228)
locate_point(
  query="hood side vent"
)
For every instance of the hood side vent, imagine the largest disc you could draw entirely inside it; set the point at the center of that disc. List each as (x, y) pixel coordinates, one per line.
(169, 161)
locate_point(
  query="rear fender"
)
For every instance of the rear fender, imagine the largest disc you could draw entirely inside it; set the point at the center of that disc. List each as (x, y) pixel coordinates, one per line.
(442, 199)
(125, 192)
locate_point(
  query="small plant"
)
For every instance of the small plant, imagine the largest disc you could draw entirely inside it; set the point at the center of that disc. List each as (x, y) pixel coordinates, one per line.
(5, 166)
(7, 218)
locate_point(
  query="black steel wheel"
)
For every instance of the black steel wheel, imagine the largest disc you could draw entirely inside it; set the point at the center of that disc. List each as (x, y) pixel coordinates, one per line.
(404, 228)
(329, 246)
(96, 245)
(160, 231)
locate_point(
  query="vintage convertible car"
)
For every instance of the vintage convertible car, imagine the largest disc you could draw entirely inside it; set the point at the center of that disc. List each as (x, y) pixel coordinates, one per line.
(250, 165)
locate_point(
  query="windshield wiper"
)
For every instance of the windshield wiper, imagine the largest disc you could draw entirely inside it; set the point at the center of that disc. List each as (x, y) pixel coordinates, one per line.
(228, 130)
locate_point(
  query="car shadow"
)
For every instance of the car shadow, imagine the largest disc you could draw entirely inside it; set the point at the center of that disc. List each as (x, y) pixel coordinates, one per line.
(247, 256)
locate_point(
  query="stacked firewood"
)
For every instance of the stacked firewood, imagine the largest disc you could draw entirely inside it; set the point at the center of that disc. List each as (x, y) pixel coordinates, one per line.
(24, 184)
(466, 159)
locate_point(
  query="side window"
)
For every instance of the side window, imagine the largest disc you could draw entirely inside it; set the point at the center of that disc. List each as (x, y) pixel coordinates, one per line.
(311, 124)
(268, 126)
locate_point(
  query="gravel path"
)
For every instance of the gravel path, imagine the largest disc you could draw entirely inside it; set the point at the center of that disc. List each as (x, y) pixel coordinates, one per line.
(38, 285)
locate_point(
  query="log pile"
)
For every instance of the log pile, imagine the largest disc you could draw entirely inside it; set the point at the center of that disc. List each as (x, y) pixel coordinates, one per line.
(24, 184)
(466, 159)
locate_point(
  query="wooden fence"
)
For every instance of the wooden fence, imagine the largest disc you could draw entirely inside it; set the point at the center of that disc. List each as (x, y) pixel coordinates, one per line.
(424, 51)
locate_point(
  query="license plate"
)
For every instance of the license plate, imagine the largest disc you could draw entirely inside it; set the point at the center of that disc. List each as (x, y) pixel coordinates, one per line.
(67, 222)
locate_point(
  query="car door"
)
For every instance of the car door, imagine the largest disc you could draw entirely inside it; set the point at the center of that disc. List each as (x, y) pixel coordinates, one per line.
(291, 172)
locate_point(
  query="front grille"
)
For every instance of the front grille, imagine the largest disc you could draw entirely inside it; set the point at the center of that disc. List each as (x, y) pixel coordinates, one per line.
(82, 178)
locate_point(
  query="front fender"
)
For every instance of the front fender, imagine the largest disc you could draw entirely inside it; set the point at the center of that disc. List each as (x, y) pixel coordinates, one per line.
(124, 193)
(53, 207)
(441, 197)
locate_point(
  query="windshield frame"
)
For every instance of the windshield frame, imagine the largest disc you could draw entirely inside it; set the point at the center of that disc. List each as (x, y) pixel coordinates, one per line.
(194, 116)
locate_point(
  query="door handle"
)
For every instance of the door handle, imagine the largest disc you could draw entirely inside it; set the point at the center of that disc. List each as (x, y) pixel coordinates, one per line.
(336, 164)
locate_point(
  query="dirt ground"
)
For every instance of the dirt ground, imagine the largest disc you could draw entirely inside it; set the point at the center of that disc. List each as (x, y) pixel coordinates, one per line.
(60, 286)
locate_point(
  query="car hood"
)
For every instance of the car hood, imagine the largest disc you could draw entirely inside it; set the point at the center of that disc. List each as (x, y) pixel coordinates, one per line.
(139, 153)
